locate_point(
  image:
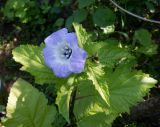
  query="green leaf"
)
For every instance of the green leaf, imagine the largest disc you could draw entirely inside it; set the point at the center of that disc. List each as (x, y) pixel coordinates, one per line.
(88, 108)
(147, 46)
(85, 40)
(59, 22)
(17, 8)
(143, 36)
(63, 97)
(83, 36)
(149, 50)
(85, 93)
(63, 101)
(31, 58)
(98, 119)
(69, 21)
(113, 53)
(104, 17)
(80, 15)
(77, 17)
(27, 107)
(84, 3)
(93, 47)
(96, 75)
(127, 87)
(59, 121)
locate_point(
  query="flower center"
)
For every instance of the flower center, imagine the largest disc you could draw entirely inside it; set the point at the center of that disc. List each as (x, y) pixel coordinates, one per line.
(67, 51)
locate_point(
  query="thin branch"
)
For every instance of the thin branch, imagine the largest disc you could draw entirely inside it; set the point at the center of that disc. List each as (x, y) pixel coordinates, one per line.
(134, 15)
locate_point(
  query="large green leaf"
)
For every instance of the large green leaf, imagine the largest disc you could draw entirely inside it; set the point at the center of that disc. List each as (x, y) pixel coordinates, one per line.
(147, 46)
(69, 22)
(103, 17)
(27, 107)
(97, 119)
(96, 75)
(83, 36)
(63, 101)
(85, 40)
(64, 97)
(113, 53)
(31, 58)
(89, 109)
(80, 15)
(143, 36)
(127, 87)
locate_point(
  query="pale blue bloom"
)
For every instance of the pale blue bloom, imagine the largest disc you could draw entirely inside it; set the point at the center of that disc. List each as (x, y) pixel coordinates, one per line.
(62, 53)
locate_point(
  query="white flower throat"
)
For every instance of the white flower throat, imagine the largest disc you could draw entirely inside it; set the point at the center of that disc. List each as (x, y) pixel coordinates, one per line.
(66, 51)
(62, 53)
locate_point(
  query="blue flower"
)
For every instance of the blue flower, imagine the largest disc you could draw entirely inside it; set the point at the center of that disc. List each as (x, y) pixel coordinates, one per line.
(62, 53)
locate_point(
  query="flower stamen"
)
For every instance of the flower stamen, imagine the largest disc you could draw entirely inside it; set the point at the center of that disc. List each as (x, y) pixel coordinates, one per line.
(67, 52)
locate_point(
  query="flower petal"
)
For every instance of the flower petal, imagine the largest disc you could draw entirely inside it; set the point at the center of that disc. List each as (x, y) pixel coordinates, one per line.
(61, 70)
(72, 40)
(77, 60)
(56, 37)
(49, 56)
